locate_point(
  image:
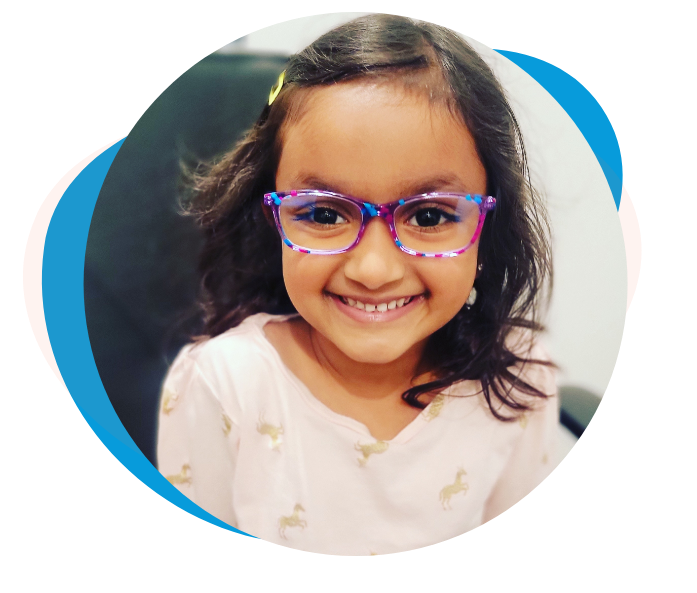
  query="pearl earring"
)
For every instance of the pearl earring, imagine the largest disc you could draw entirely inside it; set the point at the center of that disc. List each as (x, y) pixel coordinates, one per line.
(471, 299)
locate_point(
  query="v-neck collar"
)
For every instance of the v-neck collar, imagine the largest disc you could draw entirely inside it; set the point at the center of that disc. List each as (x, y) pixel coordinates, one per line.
(260, 321)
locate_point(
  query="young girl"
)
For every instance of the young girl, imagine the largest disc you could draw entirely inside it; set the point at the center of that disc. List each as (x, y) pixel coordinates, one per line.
(369, 380)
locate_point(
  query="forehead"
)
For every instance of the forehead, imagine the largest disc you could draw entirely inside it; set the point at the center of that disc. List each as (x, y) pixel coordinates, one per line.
(377, 140)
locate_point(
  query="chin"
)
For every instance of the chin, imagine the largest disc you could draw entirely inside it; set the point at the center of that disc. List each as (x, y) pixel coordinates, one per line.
(373, 353)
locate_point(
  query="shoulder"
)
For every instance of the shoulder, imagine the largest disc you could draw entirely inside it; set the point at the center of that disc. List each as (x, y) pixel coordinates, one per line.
(237, 347)
(536, 369)
(237, 361)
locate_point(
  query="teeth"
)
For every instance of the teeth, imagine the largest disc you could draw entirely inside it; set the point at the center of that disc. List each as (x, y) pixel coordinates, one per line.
(382, 307)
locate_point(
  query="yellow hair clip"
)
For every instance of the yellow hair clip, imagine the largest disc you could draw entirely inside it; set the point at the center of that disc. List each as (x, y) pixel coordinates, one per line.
(275, 89)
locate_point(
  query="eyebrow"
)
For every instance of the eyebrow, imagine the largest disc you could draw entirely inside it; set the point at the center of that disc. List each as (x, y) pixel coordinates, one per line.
(422, 186)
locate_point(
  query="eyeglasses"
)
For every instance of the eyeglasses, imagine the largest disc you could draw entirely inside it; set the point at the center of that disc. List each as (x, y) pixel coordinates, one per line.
(428, 225)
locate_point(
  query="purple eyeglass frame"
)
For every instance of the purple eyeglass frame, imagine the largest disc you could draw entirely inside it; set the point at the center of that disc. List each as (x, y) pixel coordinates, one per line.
(386, 211)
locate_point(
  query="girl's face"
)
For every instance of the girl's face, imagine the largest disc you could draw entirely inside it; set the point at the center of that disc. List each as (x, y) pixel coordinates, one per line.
(379, 143)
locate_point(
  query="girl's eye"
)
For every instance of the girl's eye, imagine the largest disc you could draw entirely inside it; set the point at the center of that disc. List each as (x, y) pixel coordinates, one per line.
(430, 217)
(327, 216)
(322, 215)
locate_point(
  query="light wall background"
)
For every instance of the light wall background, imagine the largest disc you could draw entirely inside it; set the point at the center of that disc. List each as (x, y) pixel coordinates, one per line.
(586, 315)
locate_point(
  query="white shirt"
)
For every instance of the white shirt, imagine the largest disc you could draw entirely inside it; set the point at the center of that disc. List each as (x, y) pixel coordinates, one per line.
(244, 438)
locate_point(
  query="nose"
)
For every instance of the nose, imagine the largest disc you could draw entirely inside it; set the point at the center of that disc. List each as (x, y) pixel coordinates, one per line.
(375, 261)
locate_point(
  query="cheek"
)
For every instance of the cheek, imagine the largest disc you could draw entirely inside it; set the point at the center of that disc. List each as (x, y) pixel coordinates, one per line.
(451, 283)
(292, 274)
(305, 276)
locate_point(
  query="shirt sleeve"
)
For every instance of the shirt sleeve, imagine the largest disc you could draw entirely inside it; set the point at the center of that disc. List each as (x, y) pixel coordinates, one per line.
(197, 440)
(534, 454)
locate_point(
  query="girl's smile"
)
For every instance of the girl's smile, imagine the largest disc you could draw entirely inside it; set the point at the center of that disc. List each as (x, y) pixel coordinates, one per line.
(380, 142)
(371, 311)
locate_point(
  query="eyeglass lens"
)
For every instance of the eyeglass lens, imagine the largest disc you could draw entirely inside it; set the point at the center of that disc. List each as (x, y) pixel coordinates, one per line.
(428, 225)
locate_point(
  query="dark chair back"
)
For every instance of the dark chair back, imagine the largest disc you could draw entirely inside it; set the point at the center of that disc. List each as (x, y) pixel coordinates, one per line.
(578, 406)
(141, 279)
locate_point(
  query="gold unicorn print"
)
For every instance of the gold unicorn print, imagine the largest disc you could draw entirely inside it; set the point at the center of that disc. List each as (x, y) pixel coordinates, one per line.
(227, 423)
(435, 407)
(293, 520)
(377, 447)
(274, 432)
(169, 400)
(451, 489)
(523, 420)
(183, 477)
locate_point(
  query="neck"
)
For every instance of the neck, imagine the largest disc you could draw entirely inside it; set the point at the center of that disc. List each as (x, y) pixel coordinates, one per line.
(368, 380)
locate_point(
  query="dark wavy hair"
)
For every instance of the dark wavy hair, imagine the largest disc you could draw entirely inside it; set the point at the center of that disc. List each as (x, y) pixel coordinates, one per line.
(241, 259)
